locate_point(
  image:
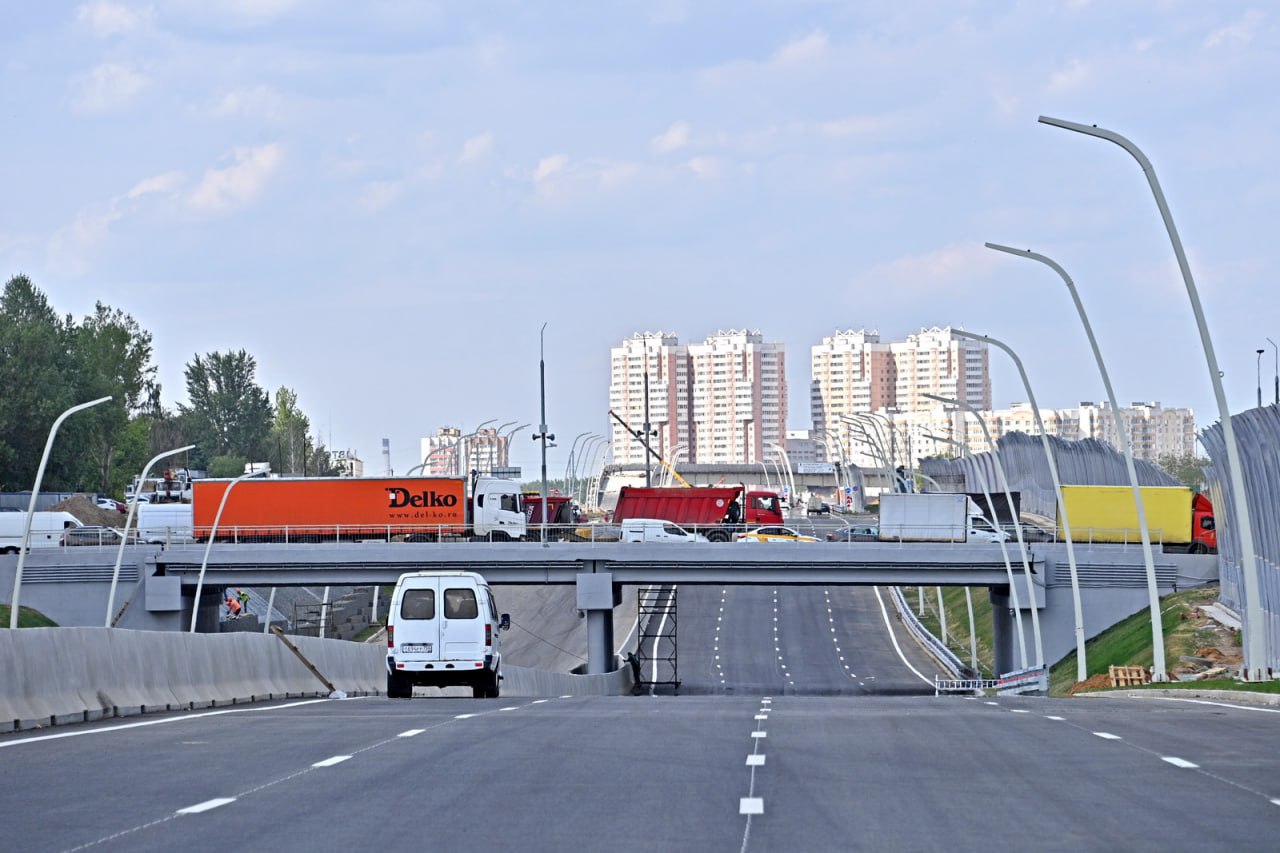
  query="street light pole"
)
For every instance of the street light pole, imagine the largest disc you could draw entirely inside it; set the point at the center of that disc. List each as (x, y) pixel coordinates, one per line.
(31, 507)
(213, 535)
(1255, 649)
(1260, 352)
(1082, 668)
(128, 522)
(1277, 349)
(1017, 522)
(1153, 593)
(543, 435)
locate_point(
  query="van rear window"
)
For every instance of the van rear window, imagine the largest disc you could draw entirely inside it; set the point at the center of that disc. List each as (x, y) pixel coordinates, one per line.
(418, 604)
(460, 604)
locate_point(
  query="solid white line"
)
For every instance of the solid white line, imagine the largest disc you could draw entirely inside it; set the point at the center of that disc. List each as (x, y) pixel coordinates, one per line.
(1218, 704)
(1179, 762)
(888, 626)
(411, 733)
(138, 725)
(1108, 736)
(329, 762)
(751, 805)
(755, 760)
(206, 805)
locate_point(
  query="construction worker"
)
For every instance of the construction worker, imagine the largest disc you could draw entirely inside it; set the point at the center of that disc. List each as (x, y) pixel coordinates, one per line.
(233, 607)
(244, 601)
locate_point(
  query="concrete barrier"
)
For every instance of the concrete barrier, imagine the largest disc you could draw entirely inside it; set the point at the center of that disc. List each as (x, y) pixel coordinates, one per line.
(520, 681)
(55, 676)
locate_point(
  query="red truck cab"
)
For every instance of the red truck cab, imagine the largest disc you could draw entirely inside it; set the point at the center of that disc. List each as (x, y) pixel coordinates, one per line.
(1204, 532)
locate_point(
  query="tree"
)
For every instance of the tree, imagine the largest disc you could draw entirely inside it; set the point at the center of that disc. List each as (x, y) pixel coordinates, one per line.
(229, 413)
(35, 366)
(1186, 468)
(289, 445)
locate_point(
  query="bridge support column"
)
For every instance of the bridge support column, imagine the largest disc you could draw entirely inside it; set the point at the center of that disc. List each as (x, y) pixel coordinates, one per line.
(597, 595)
(1003, 637)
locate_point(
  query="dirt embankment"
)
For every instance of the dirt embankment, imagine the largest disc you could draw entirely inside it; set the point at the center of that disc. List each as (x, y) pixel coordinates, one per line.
(89, 513)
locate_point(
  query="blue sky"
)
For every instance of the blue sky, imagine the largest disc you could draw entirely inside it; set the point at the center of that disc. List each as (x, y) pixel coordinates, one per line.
(384, 201)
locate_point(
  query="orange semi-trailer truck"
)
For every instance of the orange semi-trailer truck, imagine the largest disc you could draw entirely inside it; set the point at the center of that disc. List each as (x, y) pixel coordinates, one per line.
(708, 510)
(326, 508)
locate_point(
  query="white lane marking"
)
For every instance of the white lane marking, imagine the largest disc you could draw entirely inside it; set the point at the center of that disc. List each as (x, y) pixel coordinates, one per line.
(759, 734)
(765, 701)
(1179, 762)
(1018, 711)
(206, 805)
(755, 760)
(997, 704)
(1059, 719)
(751, 805)
(411, 733)
(762, 716)
(1218, 704)
(539, 701)
(464, 716)
(510, 708)
(889, 627)
(1107, 736)
(1275, 802)
(329, 762)
(566, 696)
(137, 725)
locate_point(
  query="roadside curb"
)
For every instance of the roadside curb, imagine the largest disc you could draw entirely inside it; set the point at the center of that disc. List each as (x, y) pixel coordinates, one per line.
(1243, 696)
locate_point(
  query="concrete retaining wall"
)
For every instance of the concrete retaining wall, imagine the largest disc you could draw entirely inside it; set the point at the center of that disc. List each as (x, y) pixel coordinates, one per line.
(63, 675)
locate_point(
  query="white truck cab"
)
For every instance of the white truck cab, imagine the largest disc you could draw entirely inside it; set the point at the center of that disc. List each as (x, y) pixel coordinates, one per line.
(443, 630)
(656, 530)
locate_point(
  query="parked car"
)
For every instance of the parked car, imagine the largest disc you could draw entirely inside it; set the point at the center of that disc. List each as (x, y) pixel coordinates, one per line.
(773, 534)
(92, 535)
(112, 503)
(855, 533)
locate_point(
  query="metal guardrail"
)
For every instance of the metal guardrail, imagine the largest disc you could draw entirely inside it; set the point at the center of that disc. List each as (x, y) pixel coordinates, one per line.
(945, 656)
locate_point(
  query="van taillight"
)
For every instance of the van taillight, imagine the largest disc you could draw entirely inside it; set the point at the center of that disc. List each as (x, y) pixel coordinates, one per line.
(488, 635)
(391, 636)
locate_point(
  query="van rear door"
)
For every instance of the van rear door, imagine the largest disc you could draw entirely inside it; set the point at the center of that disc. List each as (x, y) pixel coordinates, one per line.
(418, 622)
(461, 623)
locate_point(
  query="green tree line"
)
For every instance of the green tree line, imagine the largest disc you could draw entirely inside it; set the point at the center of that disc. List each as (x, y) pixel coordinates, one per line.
(50, 362)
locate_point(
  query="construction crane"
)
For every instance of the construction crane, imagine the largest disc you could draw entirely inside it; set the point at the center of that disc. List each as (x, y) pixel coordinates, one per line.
(645, 441)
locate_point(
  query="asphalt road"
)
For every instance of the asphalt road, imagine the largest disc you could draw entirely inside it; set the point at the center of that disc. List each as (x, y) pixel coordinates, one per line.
(655, 773)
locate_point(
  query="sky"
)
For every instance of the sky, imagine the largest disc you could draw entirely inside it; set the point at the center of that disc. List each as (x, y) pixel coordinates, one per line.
(384, 202)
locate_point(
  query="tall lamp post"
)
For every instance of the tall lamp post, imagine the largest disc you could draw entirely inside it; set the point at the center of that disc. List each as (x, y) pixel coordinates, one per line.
(1255, 649)
(1277, 350)
(1153, 593)
(1260, 352)
(543, 436)
(1017, 522)
(213, 535)
(31, 506)
(128, 523)
(1082, 668)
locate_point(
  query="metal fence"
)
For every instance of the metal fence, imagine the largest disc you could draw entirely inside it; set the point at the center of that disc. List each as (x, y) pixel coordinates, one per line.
(1258, 439)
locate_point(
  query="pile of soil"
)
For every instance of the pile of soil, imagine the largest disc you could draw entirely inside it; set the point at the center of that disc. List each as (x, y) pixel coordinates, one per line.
(88, 512)
(1100, 681)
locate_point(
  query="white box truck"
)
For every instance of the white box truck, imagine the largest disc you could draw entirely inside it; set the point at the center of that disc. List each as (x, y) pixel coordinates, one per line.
(165, 523)
(443, 630)
(46, 529)
(933, 517)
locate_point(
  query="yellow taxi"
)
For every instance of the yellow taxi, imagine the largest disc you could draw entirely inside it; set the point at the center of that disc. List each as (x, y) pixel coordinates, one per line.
(773, 534)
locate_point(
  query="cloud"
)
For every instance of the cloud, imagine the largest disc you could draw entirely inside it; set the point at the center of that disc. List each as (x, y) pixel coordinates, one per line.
(1068, 79)
(112, 19)
(166, 183)
(476, 148)
(706, 168)
(378, 195)
(259, 101)
(1239, 33)
(107, 87)
(933, 271)
(549, 166)
(803, 51)
(673, 138)
(238, 184)
(856, 126)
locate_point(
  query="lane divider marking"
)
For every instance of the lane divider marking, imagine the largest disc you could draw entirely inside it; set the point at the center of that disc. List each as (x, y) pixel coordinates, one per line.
(329, 762)
(411, 733)
(206, 805)
(755, 760)
(1179, 762)
(750, 805)
(1108, 736)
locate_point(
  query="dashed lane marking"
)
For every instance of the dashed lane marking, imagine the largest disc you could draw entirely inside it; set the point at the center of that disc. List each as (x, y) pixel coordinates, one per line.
(751, 805)
(206, 805)
(329, 762)
(411, 733)
(755, 760)
(1179, 762)
(1107, 736)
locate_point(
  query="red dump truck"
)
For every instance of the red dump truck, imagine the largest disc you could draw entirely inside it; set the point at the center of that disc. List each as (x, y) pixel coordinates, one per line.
(714, 511)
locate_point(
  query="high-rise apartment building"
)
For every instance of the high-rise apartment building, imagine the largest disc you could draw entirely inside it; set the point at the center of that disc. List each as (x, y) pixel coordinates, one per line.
(720, 401)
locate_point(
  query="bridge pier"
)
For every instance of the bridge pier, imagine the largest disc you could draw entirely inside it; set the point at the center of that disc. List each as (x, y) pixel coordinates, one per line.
(1003, 630)
(597, 596)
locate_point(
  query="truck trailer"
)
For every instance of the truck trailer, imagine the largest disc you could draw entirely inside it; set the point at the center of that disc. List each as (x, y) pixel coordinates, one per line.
(934, 517)
(1177, 519)
(420, 509)
(713, 511)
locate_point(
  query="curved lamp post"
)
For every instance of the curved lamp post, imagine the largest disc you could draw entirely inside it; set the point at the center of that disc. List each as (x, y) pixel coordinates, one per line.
(128, 522)
(1255, 650)
(31, 507)
(1017, 522)
(1082, 668)
(1153, 593)
(213, 531)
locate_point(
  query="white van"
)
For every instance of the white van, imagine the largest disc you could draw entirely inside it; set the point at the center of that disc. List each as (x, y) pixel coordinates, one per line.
(443, 631)
(162, 524)
(656, 530)
(46, 529)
